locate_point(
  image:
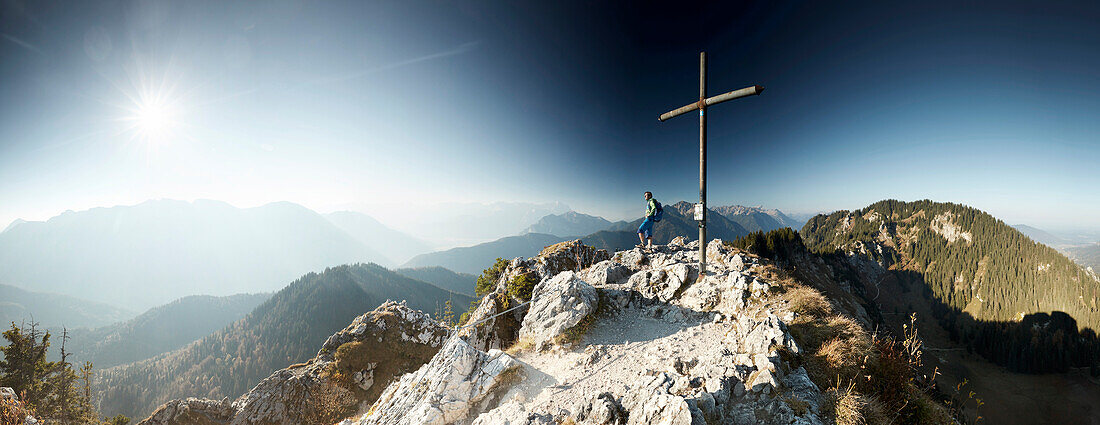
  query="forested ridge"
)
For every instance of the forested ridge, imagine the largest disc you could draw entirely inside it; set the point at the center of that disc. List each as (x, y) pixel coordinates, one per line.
(288, 328)
(161, 329)
(993, 287)
(1086, 256)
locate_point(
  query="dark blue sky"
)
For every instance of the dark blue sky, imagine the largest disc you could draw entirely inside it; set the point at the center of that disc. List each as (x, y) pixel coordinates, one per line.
(337, 104)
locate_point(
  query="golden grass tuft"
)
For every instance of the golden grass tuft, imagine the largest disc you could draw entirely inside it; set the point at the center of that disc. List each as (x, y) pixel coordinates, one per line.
(804, 300)
(846, 405)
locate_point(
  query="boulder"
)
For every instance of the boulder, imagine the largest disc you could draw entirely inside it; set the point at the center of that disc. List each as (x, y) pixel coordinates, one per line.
(762, 335)
(557, 304)
(513, 413)
(603, 409)
(663, 284)
(565, 256)
(724, 293)
(606, 272)
(652, 402)
(192, 411)
(453, 387)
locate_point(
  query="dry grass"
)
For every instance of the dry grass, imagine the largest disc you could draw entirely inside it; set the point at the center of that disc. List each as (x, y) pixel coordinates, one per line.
(519, 347)
(574, 334)
(870, 376)
(557, 248)
(846, 405)
(804, 300)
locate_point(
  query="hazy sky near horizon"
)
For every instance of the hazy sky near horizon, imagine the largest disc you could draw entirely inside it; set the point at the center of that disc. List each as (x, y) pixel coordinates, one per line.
(333, 104)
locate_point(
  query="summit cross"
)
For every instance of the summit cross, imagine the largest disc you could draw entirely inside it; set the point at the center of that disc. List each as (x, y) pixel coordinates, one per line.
(701, 106)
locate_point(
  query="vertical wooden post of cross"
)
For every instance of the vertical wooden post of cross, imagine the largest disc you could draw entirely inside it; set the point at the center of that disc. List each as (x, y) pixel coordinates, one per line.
(701, 105)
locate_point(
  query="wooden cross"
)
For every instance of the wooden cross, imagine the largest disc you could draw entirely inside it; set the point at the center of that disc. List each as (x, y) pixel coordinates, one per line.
(701, 106)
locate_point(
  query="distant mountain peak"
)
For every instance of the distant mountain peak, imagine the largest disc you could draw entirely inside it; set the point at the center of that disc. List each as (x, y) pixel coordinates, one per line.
(569, 223)
(14, 223)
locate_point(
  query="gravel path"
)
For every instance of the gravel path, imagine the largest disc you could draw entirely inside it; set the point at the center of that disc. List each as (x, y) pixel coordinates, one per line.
(612, 356)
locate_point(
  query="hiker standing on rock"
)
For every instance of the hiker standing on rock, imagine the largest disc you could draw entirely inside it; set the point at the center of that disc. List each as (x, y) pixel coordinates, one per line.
(653, 213)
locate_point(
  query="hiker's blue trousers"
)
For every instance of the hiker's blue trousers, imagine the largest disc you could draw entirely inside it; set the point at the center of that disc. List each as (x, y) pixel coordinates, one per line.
(646, 229)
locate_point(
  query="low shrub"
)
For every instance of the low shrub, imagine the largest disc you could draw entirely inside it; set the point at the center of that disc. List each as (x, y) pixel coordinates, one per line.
(521, 287)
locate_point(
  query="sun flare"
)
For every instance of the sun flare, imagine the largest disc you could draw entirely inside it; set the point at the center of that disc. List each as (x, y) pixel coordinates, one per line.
(153, 119)
(154, 113)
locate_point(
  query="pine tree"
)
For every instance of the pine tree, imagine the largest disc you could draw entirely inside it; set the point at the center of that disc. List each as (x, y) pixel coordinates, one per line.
(25, 368)
(448, 316)
(48, 388)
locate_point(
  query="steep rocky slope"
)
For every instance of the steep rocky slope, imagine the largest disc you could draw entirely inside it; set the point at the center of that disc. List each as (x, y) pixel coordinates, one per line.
(1011, 321)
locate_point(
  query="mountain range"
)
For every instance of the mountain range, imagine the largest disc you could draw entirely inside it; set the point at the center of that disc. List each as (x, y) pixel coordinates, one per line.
(678, 220)
(755, 219)
(474, 259)
(397, 247)
(1042, 236)
(140, 256)
(453, 224)
(727, 223)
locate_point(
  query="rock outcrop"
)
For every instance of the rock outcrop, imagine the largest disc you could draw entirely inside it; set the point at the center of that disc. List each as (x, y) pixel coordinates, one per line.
(498, 331)
(669, 347)
(557, 304)
(452, 388)
(193, 411)
(351, 369)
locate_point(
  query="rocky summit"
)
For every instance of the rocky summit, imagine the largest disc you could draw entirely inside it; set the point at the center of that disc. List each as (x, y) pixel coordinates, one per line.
(637, 337)
(572, 335)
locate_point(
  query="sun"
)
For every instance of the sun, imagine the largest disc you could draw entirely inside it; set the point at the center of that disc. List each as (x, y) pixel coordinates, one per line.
(153, 119)
(154, 111)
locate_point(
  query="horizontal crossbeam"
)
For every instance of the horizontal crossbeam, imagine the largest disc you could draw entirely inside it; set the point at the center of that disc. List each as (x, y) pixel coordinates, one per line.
(713, 100)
